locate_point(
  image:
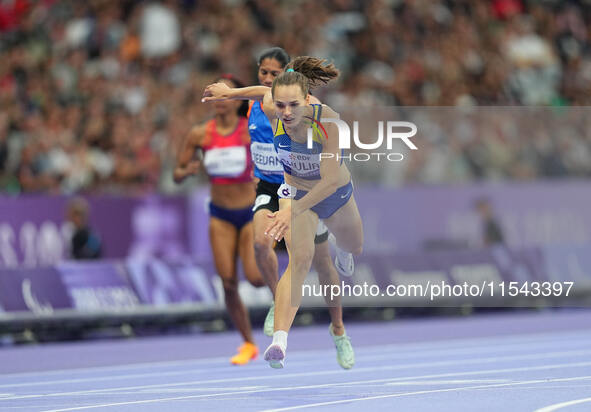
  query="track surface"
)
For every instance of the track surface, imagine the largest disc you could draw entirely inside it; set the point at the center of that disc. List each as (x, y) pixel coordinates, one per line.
(513, 362)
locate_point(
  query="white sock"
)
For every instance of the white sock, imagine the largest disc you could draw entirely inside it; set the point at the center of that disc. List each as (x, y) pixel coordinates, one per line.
(280, 338)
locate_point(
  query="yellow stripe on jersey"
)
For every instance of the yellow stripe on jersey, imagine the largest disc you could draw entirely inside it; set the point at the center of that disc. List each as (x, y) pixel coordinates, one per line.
(280, 130)
(316, 133)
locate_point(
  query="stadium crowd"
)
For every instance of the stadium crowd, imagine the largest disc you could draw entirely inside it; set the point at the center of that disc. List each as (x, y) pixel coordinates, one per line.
(97, 95)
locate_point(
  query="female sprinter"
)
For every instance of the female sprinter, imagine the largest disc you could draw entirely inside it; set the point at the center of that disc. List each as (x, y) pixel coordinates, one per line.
(269, 170)
(227, 160)
(313, 189)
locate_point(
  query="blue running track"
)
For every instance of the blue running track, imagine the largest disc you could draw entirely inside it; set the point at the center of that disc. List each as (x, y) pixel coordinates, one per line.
(528, 361)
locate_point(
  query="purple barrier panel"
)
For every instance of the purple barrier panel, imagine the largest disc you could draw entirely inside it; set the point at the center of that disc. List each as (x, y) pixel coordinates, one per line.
(33, 231)
(117, 285)
(160, 282)
(492, 264)
(97, 285)
(404, 220)
(520, 265)
(419, 268)
(157, 228)
(198, 222)
(489, 272)
(569, 263)
(530, 214)
(38, 290)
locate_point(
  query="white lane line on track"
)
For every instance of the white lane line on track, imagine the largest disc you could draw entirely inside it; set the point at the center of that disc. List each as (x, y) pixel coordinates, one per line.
(386, 355)
(391, 380)
(315, 387)
(454, 362)
(495, 359)
(142, 365)
(556, 406)
(517, 339)
(476, 350)
(445, 382)
(398, 395)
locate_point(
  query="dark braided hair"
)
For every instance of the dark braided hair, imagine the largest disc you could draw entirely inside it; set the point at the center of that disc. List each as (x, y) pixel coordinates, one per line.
(308, 72)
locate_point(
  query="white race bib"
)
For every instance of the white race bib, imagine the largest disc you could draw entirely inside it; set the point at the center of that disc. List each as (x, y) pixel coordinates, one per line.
(286, 191)
(304, 165)
(225, 161)
(265, 158)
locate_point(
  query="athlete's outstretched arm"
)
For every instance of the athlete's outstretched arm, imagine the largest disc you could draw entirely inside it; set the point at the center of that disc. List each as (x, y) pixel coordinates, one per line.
(221, 91)
(186, 164)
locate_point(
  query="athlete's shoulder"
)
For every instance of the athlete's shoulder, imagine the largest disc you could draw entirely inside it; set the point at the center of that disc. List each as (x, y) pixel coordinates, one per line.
(329, 113)
(198, 133)
(201, 128)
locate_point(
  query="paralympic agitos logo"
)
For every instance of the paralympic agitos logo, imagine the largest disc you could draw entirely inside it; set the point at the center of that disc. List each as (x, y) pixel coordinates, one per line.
(390, 129)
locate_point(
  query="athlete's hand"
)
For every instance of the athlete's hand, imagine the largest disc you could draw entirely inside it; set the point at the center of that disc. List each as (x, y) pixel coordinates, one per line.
(280, 223)
(191, 168)
(215, 92)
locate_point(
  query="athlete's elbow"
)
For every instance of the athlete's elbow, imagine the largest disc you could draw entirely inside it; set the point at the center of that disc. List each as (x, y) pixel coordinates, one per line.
(178, 176)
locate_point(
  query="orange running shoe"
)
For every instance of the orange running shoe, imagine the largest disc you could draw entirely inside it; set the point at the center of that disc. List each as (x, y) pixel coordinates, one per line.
(247, 352)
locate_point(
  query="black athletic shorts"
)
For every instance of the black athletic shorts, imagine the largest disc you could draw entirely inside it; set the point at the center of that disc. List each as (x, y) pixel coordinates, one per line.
(267, 198)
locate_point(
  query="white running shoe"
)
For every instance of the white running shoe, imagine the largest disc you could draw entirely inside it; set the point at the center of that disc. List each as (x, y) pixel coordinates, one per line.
(345, 353)
(343, 261)
(275, 355)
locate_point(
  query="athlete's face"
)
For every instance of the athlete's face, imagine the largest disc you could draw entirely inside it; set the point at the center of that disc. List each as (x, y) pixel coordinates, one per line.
(290, 104)
(268, 70)
(227, 106)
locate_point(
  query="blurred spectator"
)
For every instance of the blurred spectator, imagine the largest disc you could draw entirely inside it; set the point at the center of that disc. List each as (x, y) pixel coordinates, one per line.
(97, 95)
(536, 72)
(160, 31)
(11, 13)
(491, 230)
(86, 244)
(3, 143)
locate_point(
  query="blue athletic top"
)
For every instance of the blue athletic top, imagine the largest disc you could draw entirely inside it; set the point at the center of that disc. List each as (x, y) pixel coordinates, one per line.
(296, 158)
(267, 166)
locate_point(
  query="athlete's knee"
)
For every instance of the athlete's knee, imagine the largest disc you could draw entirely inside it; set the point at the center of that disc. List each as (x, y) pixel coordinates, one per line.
(262, 244)
(355, 245)
(302, 259)
(254, 278)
